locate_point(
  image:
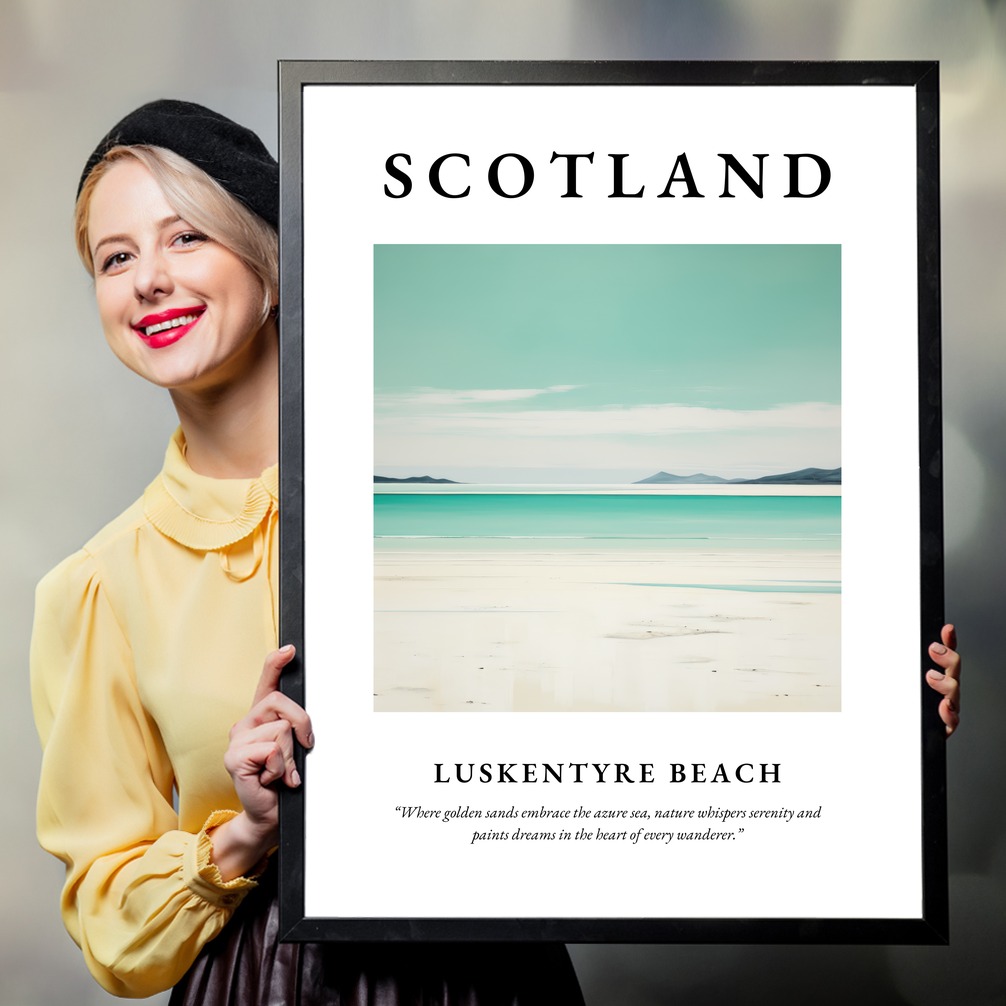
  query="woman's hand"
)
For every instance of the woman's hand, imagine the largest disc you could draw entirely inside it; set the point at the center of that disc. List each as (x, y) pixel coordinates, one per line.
(260, 753)
(947, 682)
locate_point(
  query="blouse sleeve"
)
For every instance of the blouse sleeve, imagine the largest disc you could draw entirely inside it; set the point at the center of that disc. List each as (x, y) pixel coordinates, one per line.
(141, 898)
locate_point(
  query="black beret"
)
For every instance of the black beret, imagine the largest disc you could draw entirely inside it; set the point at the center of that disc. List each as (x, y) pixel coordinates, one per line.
(231, 154)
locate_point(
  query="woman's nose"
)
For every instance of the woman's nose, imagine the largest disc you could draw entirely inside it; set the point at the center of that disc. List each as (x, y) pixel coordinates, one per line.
(152, 277)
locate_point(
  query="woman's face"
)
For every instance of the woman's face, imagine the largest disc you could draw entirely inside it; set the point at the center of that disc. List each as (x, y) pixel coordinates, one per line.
(177, 308)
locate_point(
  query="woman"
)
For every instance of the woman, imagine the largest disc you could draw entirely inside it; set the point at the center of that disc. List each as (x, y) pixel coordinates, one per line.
(149, 642)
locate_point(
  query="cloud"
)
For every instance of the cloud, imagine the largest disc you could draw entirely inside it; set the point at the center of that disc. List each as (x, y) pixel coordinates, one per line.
(757, 452)
(640, 420)
(422, 397)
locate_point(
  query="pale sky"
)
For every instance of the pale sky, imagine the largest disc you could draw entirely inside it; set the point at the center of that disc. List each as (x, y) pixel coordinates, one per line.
(607, 363)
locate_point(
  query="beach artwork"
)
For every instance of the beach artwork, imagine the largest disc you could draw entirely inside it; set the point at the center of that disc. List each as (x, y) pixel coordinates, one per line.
(607, 478)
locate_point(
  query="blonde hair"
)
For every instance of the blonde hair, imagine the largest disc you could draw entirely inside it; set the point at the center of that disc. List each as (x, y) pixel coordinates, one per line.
(199, 200)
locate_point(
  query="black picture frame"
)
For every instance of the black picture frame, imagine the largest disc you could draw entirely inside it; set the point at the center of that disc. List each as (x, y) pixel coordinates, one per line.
(931, 927)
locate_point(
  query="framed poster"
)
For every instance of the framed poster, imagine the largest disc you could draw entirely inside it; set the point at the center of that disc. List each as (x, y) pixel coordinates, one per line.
(611, 501)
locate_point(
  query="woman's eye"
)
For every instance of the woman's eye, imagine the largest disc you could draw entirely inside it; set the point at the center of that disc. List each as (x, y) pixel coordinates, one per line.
(190, 238)
(114, 261)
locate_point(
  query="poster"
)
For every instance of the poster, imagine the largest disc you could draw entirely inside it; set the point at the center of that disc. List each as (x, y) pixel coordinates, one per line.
(601, 388)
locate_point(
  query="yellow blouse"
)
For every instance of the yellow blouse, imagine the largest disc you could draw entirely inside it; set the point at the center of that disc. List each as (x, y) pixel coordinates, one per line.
(147, 647)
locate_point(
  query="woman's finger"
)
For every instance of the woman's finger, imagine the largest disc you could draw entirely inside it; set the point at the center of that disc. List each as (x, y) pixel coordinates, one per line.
(275, 706)
(944, 684)
(949, 636)
(278, 732)
(273, 766)
(261, 760)
(948, 659)
(950, 716)
(949, 688)
(271, 671)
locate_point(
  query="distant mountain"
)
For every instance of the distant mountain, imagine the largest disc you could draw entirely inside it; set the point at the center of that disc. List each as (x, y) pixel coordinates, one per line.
(666, 477)
(804, 477)
(419, 478)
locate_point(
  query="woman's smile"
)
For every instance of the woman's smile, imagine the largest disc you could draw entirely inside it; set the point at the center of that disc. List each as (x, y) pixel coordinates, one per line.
(166, 327)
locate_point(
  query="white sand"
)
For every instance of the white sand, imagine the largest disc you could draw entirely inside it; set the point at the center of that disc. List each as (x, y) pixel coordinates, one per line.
(571, 630)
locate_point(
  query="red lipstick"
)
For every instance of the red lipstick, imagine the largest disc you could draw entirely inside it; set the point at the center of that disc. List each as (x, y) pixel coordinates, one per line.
(166, 327)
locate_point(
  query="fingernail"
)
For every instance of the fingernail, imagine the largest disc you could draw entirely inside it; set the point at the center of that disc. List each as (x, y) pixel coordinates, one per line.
(287, 649)
(936, 675)
(310, 740)
(938, 648)
(295, 777)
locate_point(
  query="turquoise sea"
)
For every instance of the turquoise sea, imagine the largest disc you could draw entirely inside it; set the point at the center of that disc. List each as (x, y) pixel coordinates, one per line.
(481, 521)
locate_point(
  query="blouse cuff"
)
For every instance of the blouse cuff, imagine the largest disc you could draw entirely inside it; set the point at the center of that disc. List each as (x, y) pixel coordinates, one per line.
(202, 876)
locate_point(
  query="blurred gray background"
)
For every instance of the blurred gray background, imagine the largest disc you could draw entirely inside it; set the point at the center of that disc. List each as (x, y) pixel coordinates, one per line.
(83, 436)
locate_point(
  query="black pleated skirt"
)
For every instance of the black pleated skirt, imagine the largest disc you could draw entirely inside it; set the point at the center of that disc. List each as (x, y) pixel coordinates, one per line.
(246, 965)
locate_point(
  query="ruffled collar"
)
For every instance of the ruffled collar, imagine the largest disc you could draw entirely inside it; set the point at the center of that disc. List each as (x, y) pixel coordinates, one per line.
(203, 513)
